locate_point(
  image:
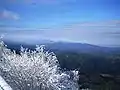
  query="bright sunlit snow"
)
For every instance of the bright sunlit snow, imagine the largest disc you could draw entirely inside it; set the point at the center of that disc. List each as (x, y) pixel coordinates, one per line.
(34, 70)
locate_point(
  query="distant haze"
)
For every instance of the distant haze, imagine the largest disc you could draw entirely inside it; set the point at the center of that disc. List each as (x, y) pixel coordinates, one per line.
(84, 21)
(104, 34)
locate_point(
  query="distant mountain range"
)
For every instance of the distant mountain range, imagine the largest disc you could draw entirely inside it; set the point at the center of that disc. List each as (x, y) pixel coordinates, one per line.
(65, 47)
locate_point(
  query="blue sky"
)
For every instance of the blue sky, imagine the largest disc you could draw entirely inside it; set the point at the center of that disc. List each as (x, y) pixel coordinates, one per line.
(87, 21)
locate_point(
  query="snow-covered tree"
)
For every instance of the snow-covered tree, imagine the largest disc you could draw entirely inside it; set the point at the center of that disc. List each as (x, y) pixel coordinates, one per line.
(34, 70)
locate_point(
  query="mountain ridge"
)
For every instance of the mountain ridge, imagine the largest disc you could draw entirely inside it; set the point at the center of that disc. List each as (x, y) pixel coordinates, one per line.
(65, 46)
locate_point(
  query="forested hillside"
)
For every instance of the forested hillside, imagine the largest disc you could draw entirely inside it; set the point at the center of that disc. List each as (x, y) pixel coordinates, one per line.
(98, 72)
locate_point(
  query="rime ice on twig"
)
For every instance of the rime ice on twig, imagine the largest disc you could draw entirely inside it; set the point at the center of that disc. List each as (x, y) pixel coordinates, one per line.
(34, 70)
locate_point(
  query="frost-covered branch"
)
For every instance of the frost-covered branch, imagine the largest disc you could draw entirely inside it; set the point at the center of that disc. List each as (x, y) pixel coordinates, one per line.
(34, 70)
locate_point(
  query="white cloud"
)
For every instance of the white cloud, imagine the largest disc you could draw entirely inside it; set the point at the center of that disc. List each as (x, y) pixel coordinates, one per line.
(6, 14)
(101, 33)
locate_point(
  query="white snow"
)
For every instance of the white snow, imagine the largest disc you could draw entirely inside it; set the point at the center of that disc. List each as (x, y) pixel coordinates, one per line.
(34, 69)
(4, 85)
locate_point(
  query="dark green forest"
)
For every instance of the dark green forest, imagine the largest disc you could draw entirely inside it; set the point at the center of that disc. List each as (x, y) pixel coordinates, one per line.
(96, 71)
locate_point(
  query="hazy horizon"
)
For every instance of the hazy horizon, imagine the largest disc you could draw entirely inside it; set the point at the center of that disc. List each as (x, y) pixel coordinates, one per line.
(92, 22)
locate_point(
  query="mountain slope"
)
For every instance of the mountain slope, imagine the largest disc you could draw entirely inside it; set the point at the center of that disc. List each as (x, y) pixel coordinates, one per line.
(66, 46)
